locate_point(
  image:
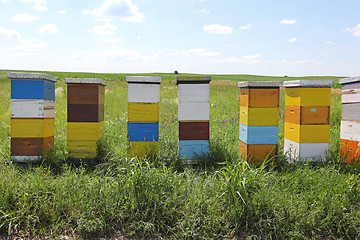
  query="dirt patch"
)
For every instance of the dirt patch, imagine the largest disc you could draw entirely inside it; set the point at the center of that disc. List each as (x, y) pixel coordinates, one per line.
(224, 83)
(336, 91)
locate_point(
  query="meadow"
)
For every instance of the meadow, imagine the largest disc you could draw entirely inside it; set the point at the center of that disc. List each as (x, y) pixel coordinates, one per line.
(161, 198)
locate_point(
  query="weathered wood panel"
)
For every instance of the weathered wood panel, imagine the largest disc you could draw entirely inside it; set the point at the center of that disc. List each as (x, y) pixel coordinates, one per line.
(193, 130)
(85, 113)
(350, 130)
(305, 152)
(259, 116)
(260, 97)
(350, 111)
(85, 131)
(84, 93)
(257, 153)
(101, 95)
(194, 93)
(350, 96)
(350, 151)
(307, 96)
(194, 111)
(32, 128)
(74, 145)
(143, 131)
(141, 149)
(258, 134)
(30, 108)
(32, 89)
(307, 133)
(30, 146)
(190, 149)
(307, 115)
(348, 86)
(143, 112)
(148, 93)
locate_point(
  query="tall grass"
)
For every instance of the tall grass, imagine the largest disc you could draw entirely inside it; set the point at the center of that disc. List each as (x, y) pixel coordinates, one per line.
(161, 198)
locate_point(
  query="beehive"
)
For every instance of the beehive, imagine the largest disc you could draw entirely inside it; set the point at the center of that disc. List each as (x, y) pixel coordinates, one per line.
(350, 120)
(259, 117)
(143, 115)
(85, 116)
(194, 116)
(307, 112)
(32, 115)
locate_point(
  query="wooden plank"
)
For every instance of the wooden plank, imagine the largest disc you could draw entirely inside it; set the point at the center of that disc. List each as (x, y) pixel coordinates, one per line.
(32, 128)
(148, 93)
(101, 95)
(30, 146)
(194, 93)
(350, 111)
(307, 96)
(244, 97)
(350, 151)
(143, 112)
(82, 154)
(258, 134)
(264, 98)
(190, 149)
(348, 86)
(306, 133)
(194, 111)
(85, 113)
(257, 153)
(259, 116)
(85, 131)
(143, 131)
(193, 130)
(305, 152)
(32, 89)
(307, 115)
(350, 130)
(31, 108)
(350, 96)
(83, 94)
(82, 145)
(140, 149)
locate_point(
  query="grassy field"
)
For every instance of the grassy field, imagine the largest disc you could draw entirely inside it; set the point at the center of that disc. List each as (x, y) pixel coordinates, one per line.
(161, 198)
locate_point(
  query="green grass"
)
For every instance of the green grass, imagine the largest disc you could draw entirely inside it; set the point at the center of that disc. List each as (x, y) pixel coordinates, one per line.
(161, 198)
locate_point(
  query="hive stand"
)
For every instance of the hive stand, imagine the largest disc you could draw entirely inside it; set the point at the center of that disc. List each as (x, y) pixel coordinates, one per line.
(194, 116)
(143, 115)
(259, 117)
(307, 112)
(350, 120)
(32, 115)
(85, 116)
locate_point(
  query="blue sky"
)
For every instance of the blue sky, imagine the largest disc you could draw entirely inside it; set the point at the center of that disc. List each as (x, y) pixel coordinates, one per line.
(263, 37)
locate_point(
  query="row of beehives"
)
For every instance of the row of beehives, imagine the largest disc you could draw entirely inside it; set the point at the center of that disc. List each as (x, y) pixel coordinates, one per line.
(307, 108)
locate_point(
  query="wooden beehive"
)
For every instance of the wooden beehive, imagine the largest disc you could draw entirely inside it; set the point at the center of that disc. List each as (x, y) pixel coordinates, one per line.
(259, 117)
(194, 116)
(32, 115)
(143, 115)
(85, 116)
(307, 112)
(350, 120)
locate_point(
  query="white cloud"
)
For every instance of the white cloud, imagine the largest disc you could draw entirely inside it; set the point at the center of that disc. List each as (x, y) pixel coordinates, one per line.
(8, 34)
(103, 20)
(204, 11)
(110, 40)
(39, 4)
(217, 29)
(123, 9)
(198, 52)
(329, 42)
(246, 27)
(355, 30)
(288, 21)
(103, 30)
(291, 40)
(49, 28)
(24, 17)
(62, 12)
(31, 46)
(85, 12)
